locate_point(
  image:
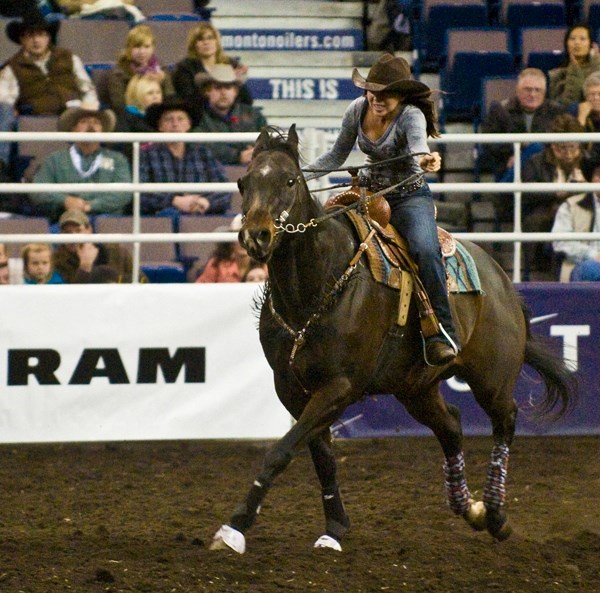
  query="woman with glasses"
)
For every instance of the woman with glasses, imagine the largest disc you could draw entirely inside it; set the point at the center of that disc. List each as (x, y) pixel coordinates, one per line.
(588, 111)
(559, 162)
(204, 50)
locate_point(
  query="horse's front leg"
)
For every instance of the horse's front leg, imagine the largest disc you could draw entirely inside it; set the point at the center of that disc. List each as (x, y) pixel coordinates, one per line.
(337, 522)
(323, 408)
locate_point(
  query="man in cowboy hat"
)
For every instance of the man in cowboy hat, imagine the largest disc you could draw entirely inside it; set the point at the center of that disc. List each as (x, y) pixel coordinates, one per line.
(219, 88)
(84, 162)
(40, 79)
(179, 162)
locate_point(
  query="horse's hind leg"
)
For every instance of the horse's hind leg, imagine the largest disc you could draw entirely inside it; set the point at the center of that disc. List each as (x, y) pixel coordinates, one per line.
(337, 522)
(443, 419)
(494, 394)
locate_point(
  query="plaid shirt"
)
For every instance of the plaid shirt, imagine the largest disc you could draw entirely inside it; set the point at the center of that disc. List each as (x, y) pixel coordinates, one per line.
(158, 165)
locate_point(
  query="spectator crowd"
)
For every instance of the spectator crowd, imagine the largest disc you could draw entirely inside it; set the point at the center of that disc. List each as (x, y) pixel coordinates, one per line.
(207, 90)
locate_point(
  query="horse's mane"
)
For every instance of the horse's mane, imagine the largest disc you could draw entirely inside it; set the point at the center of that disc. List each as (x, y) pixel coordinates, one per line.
(277, 139)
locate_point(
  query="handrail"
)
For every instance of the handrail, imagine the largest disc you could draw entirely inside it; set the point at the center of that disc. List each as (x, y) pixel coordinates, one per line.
(136, 187)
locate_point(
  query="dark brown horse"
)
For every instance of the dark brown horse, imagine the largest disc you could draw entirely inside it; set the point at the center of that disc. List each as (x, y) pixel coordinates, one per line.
(330, 334)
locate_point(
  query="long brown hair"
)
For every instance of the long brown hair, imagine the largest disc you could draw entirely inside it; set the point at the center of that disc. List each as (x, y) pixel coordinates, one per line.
(426, 104)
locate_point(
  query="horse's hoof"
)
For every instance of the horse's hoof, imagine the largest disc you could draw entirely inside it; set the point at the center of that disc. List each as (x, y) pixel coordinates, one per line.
(326, 541)
(228, 537)
(503, 533)
(498, 525)
(475, 516)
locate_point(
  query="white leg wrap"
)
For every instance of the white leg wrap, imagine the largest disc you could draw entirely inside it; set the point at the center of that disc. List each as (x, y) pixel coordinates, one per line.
(228, 537)
(326, 541)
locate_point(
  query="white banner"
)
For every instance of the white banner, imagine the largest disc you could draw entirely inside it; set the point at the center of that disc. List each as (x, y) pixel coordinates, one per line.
(134, 362)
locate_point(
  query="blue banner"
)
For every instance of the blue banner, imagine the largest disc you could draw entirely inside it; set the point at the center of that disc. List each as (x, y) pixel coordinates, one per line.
(569, 315)
(292, 39)
(306, 89)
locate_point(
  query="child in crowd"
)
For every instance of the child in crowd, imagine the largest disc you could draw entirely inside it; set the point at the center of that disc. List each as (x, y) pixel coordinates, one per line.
(138, 57)
(256, 272)
(38, 266)
(142, 91)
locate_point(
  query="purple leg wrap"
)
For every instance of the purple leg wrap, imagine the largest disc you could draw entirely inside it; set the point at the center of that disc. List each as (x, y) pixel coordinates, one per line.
(494, 493)
(456, 484)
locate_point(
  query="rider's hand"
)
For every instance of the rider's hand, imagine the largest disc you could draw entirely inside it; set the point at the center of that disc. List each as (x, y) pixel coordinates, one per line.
(431, 162)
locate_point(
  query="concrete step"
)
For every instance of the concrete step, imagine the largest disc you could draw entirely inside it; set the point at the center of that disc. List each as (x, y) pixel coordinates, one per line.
(295, 8)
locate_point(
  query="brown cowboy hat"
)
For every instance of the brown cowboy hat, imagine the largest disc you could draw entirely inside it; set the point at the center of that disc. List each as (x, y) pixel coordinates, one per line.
(69, 117)
(389, 73)
(16, 29)
(219, 74)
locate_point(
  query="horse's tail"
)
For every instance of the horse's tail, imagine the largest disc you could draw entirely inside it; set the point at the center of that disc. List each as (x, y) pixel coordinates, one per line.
(560, 381)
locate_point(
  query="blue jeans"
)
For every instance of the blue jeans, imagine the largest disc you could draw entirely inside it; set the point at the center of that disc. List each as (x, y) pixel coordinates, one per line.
(586, 271)
(8, 123)
(413, 216)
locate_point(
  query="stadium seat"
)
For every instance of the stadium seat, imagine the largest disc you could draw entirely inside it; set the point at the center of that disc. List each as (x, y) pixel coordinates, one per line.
(233, 173)
(471, 55)
(150, 7)
(496, 88)
(108, 38)
(541, 47)
(158, 260)
(517, 14)
(575, 11)
(22, 225)
(171, 37)
(32, 153)
(493, 88)
(99, 73)
(195, 255)
(437, 17)
(591, 10)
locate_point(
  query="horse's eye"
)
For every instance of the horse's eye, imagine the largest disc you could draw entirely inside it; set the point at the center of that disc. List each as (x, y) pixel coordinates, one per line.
(291, 182)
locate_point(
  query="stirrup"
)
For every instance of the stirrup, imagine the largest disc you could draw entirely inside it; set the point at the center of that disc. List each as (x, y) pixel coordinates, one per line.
(449, 340)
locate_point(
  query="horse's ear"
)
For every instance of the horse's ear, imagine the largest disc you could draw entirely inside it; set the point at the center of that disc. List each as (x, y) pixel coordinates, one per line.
(292, 138)
(261, 141)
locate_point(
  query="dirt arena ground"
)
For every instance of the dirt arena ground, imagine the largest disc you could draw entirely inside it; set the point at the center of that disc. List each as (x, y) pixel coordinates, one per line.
(138, 517)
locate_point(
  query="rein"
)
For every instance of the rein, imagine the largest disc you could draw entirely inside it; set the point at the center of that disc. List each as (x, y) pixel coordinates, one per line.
(301, 227)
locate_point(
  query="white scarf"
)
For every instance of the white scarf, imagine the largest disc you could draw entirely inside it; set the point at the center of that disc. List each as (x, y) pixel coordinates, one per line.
(77, 160)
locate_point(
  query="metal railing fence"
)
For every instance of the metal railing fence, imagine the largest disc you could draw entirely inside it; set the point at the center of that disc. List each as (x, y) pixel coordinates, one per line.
(314, 141)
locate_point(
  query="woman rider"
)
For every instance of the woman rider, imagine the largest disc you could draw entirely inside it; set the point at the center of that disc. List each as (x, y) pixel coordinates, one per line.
(393, 119)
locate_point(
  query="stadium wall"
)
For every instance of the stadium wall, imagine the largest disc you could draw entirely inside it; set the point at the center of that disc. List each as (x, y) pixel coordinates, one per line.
(151, 362)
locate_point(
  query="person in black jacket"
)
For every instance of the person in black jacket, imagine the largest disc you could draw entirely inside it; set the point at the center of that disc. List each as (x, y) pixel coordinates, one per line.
(559, 162)
(528, 111)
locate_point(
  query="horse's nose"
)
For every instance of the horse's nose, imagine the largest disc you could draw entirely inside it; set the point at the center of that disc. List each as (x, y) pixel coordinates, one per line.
(257, 242)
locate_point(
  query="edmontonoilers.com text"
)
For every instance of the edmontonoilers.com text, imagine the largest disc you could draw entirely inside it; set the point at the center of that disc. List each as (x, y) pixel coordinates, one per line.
(288, 40)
